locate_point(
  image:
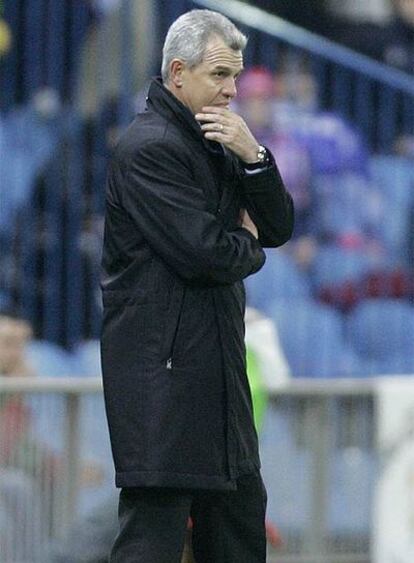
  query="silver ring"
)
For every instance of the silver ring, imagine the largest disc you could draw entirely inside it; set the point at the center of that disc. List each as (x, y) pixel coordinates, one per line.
(221, 126)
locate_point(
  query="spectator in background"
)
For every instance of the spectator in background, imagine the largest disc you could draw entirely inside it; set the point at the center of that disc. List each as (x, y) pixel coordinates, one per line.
(314, 149)
(305, 13)
(20, 492)
(340, 212)
(30, 471)
(258, 101)
(398, 43)
(391, 42)
(14, 414)
(20, 448)
(5, 37)
(263, 342)
(29, 137)
(377, 11)
(102, 70)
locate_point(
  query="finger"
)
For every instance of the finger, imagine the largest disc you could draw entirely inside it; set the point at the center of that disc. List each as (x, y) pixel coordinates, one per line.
(218, 110)
(215, 136)
(212, 127)
(208, 117)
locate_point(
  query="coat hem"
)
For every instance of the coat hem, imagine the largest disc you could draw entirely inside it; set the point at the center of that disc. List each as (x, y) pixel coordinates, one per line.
(168, 479)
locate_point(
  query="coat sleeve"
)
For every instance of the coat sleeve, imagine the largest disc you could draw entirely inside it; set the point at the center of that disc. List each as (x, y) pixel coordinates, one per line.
(269, 205)
(169, 210)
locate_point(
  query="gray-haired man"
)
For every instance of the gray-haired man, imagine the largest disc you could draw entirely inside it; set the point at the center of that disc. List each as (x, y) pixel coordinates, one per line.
(192, 199)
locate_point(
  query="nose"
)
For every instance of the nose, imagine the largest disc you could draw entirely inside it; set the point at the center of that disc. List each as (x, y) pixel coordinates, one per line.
(229, 88)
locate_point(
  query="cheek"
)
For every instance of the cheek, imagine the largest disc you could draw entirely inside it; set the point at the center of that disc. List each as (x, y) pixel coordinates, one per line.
(206, 95)
(213, 90)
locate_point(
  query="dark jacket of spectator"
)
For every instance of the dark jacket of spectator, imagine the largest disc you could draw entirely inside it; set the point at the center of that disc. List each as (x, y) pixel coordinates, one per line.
(392, 44)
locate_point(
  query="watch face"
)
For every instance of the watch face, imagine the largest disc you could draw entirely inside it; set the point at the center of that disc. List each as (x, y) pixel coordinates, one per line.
(261, 154)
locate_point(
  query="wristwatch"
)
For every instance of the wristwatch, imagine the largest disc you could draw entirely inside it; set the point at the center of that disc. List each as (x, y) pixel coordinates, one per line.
(261, 162)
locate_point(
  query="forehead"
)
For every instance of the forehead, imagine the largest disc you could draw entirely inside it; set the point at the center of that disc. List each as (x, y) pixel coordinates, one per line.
(217, 53)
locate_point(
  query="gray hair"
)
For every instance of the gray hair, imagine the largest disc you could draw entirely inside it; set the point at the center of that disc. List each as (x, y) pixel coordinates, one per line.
(188, 36)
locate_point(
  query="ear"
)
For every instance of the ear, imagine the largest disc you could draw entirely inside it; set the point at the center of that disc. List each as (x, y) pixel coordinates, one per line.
(177, 68)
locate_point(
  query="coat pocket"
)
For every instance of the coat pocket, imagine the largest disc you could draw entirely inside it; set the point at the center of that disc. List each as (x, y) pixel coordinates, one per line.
(172, 323)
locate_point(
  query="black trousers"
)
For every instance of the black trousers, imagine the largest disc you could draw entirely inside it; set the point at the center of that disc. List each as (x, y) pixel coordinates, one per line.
(228, 527)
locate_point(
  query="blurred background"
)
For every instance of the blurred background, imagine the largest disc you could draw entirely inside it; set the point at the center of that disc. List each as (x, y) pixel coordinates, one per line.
(329, 88)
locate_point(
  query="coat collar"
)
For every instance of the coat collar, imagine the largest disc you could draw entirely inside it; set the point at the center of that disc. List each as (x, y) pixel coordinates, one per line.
(165, 103)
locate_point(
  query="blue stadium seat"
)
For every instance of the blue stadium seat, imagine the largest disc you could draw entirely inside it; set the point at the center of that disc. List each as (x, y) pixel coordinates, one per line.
(17, 173)
(27, 143)
(5, 300)
(334, 265)
(395, 232)
(312, 339)
(394, 177)
(400, 364)
(87, 358)
(280, 278)
(382, 330)
(348, 204)
(48, 359)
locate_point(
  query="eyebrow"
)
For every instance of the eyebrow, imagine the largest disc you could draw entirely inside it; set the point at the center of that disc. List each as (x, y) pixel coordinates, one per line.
(226, 69)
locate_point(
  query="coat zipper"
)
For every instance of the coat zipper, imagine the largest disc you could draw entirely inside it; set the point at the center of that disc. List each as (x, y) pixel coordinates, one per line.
(173, 322)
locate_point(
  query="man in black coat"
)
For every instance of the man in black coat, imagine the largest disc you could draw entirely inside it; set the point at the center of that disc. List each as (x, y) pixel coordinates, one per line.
(192, 199)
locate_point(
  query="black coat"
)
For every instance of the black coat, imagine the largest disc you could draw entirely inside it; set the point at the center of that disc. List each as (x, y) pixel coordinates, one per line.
(173, 356)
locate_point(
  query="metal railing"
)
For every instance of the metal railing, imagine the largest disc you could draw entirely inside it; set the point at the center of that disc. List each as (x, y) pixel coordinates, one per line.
(48, 462)
(320, 427)
(311, 428)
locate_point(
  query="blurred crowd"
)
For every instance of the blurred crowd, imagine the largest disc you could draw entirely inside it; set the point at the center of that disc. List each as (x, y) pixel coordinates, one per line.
(339, 200)
(354, 207)
(339, 296)
(380, 29)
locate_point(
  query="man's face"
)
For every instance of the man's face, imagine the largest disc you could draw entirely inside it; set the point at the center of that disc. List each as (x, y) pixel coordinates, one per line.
(213, 81)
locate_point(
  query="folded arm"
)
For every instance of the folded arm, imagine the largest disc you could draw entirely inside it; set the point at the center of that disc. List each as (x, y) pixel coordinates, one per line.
(169, 210)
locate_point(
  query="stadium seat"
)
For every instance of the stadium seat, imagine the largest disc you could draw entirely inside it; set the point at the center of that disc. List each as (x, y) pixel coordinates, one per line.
(87, 358)
(4, 300)
(400, 364)
(280, 278)
(383, 330)
(348, 205)
(334, 265)
(312, 339)
(48, 359)
(394, 177)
